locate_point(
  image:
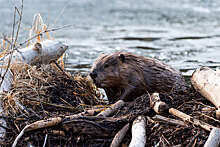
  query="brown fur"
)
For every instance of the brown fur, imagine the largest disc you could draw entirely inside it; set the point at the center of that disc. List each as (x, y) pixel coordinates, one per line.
(128, 76)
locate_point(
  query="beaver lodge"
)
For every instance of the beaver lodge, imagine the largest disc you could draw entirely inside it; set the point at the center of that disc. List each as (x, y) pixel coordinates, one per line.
(55, 108)
(43, 105)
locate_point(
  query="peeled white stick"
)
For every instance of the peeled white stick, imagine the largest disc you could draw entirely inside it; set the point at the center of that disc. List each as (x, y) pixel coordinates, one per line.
(207, 82)
(38, 125)
(138, 132)
(39, 53)
(112, 108)
(213, 139)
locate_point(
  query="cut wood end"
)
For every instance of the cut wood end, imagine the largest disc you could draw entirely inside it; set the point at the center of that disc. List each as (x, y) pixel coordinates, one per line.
(217, 113)
(161, 107)
(139, 119)
(157, 105)
(37, 47)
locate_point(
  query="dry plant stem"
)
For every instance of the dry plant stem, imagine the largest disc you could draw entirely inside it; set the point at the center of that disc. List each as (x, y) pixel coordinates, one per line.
(37, 125)
(112, 109)
(46, 31)
(190, 119)
(214, 138)
(206, 82)
(119, 136)
(169, 120)
(6, 72)
(193, 140)
(16, 38)
(138, 132)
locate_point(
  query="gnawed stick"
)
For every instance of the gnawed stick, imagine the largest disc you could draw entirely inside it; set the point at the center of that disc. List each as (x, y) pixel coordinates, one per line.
(213, 139)
(138, 132)
(206, 82)
(119, 136)
(112, 108)
(169, 120)
(157, 105)
(37, 125)
(185, 117)
(190, 119)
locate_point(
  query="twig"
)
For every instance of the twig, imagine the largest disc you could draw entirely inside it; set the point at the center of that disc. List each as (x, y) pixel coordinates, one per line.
(13, 41)
(209, 117)
(190, 119)
(193, 140)
(46, 31)
(169, 120)
(45, 140)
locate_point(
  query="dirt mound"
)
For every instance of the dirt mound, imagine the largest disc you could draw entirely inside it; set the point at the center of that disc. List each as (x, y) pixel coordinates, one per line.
(39, 93)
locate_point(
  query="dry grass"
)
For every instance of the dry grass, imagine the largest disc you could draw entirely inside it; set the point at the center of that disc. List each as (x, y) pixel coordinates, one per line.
(46, 89)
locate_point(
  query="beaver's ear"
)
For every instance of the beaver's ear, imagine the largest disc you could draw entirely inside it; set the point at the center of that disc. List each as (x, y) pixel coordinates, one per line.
(122, 57)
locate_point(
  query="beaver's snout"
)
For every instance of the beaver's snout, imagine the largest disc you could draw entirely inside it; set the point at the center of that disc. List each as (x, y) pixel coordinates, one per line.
(93, 75)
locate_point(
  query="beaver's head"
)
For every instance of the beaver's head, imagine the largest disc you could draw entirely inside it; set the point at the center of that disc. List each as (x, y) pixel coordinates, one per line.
(106, 70)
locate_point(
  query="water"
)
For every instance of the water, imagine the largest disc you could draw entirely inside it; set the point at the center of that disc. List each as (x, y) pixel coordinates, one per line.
(185, 34)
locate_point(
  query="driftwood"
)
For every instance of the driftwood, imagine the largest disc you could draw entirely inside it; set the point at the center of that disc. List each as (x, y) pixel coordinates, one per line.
(206, 81)
(214, 138)
(112, 108)
(138, 132)
(119, 136)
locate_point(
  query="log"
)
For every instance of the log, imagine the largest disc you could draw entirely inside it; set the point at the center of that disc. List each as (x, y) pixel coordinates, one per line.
(39, 53)
(119, 136)
(112, 109)
(138, 132)
(206, 82)
(213, 139)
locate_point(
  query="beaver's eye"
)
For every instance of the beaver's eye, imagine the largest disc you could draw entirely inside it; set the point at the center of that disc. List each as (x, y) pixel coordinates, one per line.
(106, 66)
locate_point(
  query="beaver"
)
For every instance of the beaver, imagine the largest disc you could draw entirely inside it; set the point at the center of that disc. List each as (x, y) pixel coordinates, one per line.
(126, 76)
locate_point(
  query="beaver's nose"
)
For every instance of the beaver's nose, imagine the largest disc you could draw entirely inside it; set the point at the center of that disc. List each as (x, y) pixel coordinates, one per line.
(93, 75)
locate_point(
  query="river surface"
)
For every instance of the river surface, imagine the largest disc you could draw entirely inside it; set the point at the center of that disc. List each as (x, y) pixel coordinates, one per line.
(185, 34)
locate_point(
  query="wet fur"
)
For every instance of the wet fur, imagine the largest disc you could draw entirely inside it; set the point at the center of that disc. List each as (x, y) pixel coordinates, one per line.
(128, 76)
